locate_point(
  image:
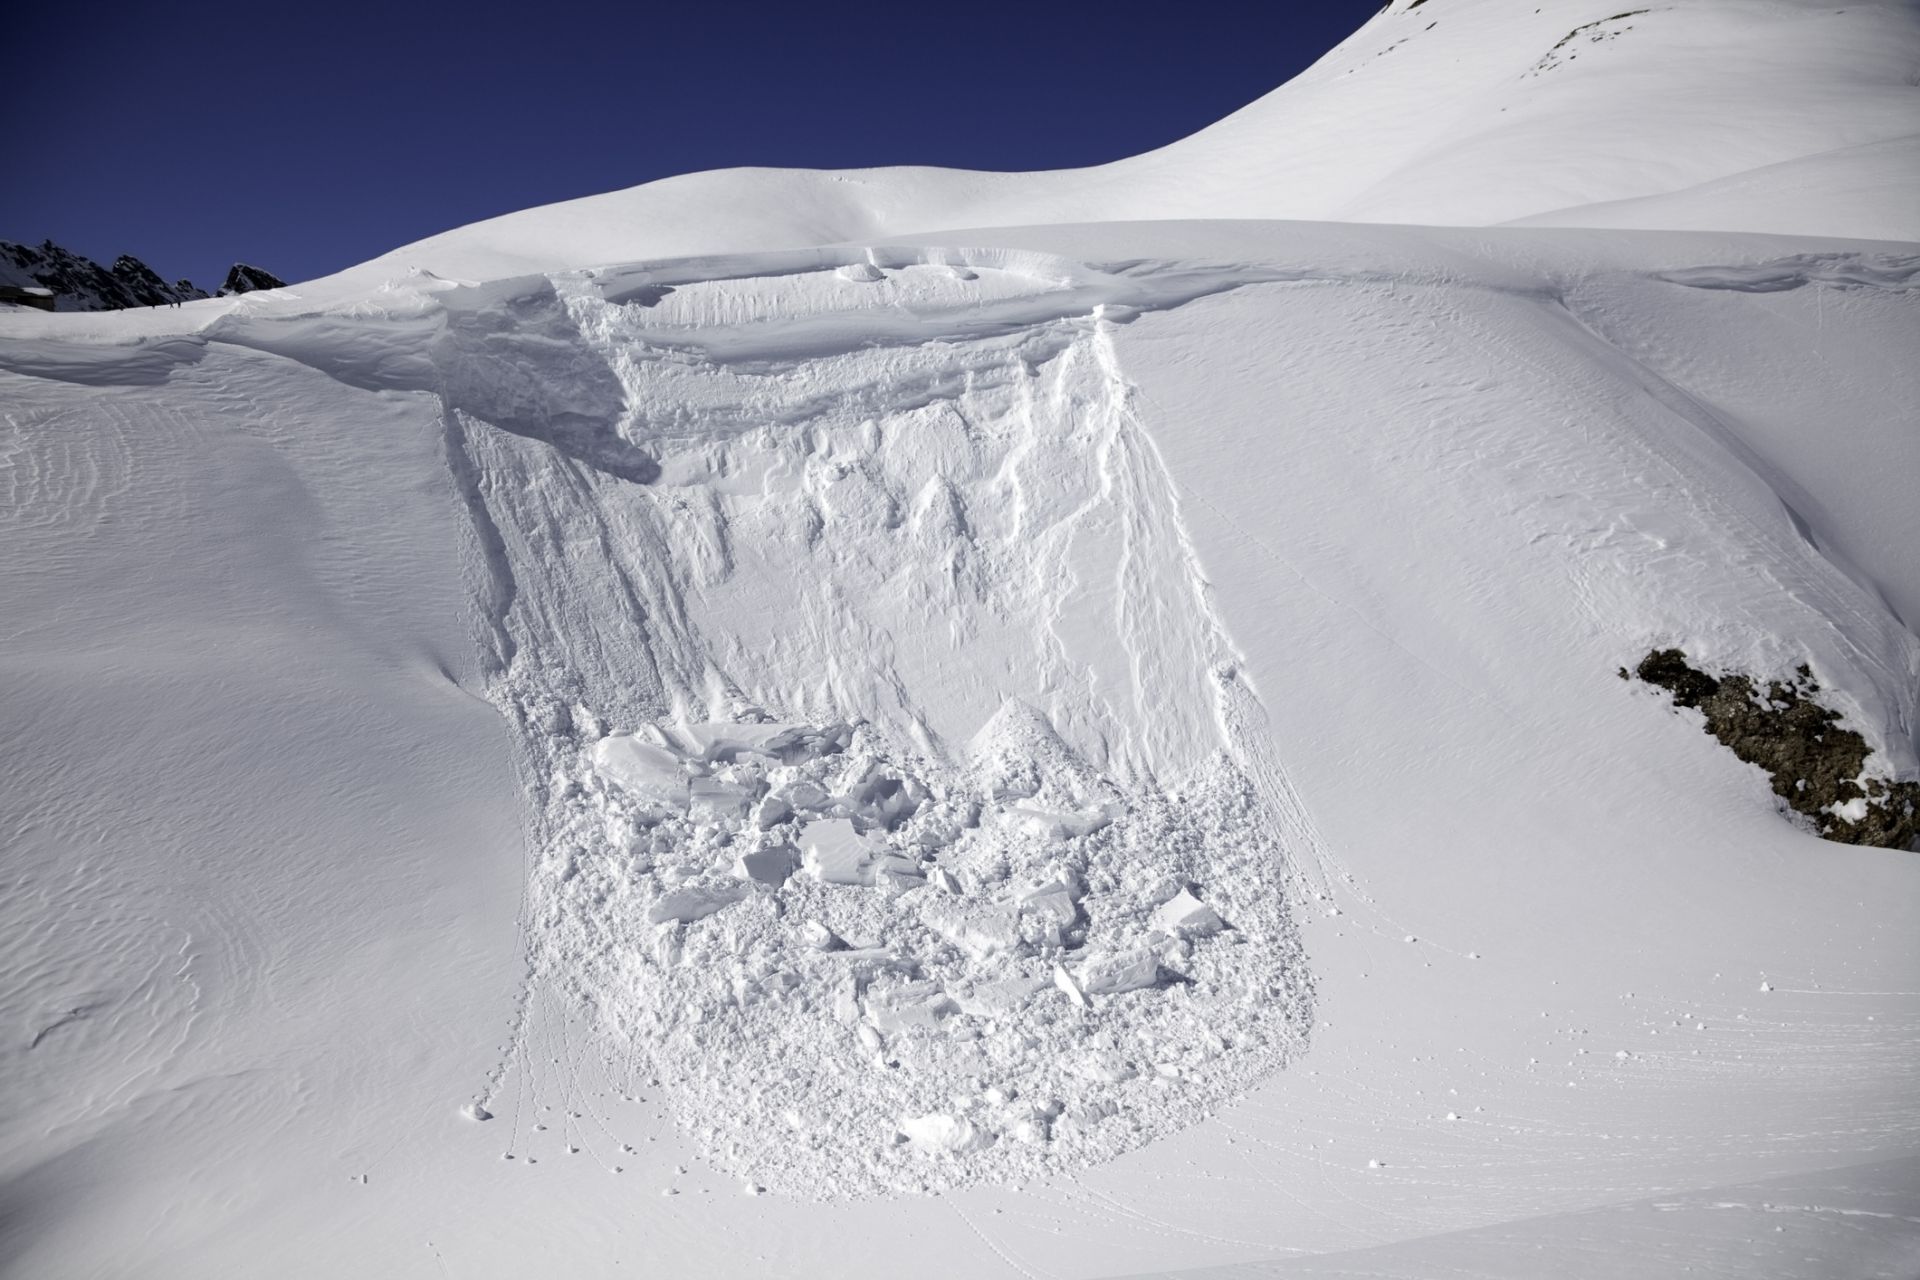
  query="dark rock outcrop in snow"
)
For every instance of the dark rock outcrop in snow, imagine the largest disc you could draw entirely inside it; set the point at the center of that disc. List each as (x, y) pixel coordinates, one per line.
(245, 279)
(143, 287)
(81, 284)
(1816, 765)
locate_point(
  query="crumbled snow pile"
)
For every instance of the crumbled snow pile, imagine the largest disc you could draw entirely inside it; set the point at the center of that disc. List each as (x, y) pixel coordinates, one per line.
(859, 971)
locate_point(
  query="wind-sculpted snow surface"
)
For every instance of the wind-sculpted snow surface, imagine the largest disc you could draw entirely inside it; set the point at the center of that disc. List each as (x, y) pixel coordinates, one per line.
(888, 808)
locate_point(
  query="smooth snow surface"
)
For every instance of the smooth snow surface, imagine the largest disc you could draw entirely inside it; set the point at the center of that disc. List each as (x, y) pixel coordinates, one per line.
(1065, 750)
(1785, 116)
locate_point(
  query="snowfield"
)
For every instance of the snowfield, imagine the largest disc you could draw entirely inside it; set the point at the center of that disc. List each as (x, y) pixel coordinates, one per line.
(919, 724)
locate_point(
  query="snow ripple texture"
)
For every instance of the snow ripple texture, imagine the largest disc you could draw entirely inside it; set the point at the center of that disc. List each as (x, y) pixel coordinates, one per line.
(894, 809)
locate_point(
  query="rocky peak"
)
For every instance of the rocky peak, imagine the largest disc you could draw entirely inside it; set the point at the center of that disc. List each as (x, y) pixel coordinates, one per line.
(245, 279)
(81, 284)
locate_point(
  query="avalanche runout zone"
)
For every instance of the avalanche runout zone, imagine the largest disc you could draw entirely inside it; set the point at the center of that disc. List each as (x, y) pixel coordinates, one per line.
(891, 803)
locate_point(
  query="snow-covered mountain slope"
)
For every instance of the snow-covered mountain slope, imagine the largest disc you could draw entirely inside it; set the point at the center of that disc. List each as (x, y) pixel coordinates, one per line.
(1067, 749)
(1785, 116)
(1353, 524)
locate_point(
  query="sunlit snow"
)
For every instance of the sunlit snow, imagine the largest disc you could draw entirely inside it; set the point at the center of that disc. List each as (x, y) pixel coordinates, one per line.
(908, 723)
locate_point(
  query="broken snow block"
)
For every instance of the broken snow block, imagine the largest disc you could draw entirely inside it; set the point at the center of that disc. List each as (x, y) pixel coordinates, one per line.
(803, 796)
(981, 934)
(1185, 914)
(728, 742)
(1054, 904)
(1069, 987)
(1050, 824)
(834, 853)
(771, 812)
(717, 798)
(916, 1005)
(1032, 1129)
(649, 774)
(821, 938)
(1102, 1066)
(902, 873)
(687, 905)
(945, 1134)
(1001, 998)
(767, 866)
(1117, 971)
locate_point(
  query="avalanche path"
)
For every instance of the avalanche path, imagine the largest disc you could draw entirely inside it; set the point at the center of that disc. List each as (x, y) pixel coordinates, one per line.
(889, 807)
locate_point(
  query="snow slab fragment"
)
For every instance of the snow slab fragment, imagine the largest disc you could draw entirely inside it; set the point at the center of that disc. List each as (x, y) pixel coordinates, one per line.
(649, 773)
(683, 906)
(944, 1134)
(769, 866)
(833, 852)
(1184, 914)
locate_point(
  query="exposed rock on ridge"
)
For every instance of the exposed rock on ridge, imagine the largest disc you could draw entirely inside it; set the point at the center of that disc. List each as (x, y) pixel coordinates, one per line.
(1817, 767)
(81, 284)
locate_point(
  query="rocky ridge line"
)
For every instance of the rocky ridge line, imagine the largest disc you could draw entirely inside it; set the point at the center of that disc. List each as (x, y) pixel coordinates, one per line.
(79, 283)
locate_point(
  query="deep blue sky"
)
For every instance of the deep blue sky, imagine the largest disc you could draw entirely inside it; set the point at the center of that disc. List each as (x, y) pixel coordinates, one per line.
(307, 137)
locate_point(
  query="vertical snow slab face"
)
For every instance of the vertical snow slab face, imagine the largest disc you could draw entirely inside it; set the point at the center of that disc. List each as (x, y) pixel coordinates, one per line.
(870, 617)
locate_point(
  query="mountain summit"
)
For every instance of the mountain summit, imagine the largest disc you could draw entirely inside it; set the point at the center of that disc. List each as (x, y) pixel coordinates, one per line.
(1785, 116)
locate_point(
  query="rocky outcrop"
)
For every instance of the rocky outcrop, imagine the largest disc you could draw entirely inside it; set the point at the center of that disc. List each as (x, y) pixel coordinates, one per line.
(246, 279)
(81, 284)
(1818, 767)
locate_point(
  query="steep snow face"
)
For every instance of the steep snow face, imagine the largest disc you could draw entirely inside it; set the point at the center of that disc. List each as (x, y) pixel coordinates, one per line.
(1786, 116)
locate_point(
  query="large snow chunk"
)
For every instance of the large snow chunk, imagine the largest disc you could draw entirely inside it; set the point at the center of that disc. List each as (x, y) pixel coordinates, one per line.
(717, 798)
(911, 1005)
(982, 934)
(944, 1133)
(766, 866)
(684, 906)
(834, 853)
(725, 742)
(1054, 905)
(1113, 972)
(1184, 914)
(1002, 997)
(803, 796)
(649, 774)
(1051, 825)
